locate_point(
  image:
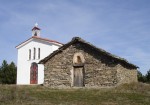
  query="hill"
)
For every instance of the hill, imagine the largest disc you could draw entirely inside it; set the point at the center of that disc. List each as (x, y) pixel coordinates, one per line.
(127, 94)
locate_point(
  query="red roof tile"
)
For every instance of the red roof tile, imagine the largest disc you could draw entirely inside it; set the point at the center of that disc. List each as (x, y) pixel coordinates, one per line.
(36, 37)
(44, 39)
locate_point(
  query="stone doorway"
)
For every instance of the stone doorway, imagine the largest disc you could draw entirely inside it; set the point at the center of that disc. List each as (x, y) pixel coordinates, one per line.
(78, 77)
(34, 73)
(78, 70)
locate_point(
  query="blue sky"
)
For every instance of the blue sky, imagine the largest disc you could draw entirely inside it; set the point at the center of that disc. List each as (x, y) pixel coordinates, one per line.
(121, 27)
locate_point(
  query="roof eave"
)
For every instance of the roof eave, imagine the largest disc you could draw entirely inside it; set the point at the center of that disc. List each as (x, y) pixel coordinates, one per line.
(38, 38)
(23, 43)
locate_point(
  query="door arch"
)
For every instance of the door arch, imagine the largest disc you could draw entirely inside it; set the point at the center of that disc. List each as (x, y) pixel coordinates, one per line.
(34, 73)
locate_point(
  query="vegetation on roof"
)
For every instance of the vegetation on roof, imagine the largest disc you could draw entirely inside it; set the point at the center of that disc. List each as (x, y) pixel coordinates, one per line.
(78, 39)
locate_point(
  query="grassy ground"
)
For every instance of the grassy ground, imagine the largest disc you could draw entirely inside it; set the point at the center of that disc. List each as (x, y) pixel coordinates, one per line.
(127, 94)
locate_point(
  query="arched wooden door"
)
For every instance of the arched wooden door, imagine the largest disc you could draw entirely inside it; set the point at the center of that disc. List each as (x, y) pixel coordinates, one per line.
(34, 73)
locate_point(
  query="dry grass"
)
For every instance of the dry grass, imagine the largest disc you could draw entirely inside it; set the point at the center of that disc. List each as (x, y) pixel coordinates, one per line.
(127, 94)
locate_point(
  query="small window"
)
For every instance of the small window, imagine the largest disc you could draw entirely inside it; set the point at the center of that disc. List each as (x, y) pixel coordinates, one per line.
(38, 53)
(79, 59)
(29, 54)
(34, 55)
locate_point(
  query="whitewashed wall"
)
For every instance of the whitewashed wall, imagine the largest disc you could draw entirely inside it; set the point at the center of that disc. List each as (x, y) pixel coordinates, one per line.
(23, 63)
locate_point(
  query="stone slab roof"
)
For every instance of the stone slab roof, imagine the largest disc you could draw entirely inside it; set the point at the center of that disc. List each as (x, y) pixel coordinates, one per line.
(78, 39)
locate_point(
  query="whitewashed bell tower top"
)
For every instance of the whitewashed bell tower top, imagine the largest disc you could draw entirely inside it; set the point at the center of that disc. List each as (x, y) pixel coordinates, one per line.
(36, 30)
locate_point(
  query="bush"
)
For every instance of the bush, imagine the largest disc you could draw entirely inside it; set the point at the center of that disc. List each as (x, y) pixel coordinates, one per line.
(141, 78)
(148, 77)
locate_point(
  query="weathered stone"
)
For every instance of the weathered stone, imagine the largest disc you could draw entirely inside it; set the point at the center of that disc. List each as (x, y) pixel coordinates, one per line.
(99, 69)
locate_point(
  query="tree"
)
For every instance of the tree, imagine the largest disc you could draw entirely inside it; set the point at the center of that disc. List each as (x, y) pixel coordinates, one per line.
(8, 73)
(141, 78)
(148, 76)
(3, 69)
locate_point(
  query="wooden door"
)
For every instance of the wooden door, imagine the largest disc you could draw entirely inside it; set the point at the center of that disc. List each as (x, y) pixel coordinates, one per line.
(78, 77)
(34, 73)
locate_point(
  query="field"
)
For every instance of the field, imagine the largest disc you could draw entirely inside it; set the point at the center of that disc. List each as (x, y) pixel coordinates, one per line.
(127, 94)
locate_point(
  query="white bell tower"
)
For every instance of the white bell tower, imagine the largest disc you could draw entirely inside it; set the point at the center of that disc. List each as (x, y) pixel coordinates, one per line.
(36, 30)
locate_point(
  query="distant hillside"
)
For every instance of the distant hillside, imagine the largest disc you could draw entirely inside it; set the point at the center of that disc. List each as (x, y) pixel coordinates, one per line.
(127, 94)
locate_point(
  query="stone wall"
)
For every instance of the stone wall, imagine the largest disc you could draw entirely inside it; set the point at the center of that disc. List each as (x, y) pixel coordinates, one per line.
(126, 75)
(99, 70)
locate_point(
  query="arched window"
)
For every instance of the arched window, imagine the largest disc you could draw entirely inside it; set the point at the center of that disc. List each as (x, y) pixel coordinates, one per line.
(35, 34)
(39, 53)
(29, 54)
(78, 58)
(34, 55)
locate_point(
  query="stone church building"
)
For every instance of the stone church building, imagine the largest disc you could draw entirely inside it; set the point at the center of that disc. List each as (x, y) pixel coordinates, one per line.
(80, 64)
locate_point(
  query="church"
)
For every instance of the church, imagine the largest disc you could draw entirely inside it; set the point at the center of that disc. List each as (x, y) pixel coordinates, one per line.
(30, 52)
(75, 64)
(80, 64)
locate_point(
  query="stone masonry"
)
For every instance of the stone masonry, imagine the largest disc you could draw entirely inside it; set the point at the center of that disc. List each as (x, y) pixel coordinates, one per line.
(99, 69)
